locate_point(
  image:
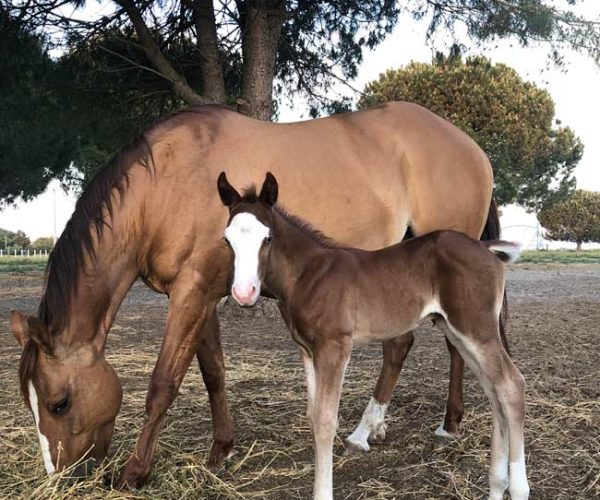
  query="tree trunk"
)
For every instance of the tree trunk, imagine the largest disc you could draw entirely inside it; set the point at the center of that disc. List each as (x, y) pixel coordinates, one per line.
(578, 249)
(208, 47)
(261, 22)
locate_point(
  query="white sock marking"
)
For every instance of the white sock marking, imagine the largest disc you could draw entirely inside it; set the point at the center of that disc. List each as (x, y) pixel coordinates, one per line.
(44, 444)
(371, 423)
(519, 487)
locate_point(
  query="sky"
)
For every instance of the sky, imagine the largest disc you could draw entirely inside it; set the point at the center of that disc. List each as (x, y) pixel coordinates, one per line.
(574, 90)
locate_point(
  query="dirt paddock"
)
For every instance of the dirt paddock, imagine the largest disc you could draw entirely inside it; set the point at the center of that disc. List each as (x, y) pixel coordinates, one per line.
(555, 338)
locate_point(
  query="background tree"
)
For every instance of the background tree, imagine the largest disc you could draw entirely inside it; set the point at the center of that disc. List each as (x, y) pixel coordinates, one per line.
(161, 55)
(35, 142)
(43, 243)
(575, 219)
(9, 240)
(512, 120)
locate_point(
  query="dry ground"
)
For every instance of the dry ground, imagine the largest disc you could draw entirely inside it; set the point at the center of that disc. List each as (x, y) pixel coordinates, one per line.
(555, 338)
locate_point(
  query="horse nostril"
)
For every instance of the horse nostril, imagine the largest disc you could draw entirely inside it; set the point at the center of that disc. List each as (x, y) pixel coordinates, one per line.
(253, 289)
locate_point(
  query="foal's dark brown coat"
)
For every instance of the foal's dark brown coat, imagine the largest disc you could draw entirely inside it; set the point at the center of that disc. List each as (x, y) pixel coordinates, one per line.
(333, 297)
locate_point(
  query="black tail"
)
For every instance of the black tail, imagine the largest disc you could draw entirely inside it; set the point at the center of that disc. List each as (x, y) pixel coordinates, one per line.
(491, 231)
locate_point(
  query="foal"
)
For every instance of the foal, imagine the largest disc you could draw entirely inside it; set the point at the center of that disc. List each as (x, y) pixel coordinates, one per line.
(331, 297)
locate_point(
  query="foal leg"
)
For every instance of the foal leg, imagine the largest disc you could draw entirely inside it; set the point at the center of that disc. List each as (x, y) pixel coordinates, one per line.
(505, 387)
(189, 308)
(372, 426)
(330, 361)
(212, 367)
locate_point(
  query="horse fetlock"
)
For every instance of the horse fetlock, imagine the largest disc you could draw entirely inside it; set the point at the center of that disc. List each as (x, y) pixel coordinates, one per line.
(134, 475)
(219, 452)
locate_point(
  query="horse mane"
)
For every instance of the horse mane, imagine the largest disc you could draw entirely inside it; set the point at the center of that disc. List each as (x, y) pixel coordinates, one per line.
(76, 241)
(67, 257)
(249, 196)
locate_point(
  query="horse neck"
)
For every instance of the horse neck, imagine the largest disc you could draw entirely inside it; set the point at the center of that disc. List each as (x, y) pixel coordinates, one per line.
(104, 279)
(292, 251)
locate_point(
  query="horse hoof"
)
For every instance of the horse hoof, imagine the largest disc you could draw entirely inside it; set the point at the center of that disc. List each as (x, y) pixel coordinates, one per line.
(355, 448)
(441, 432)
(219, 452)
(378, 435)
(133, 476)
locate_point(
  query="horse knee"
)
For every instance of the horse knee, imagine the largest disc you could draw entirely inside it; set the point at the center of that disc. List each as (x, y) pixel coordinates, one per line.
(160, 396)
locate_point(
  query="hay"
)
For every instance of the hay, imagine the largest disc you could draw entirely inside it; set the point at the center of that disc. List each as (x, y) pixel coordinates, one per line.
(274, 455)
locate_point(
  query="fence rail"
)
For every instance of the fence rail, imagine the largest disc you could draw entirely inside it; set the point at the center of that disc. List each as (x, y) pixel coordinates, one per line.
(24, 253)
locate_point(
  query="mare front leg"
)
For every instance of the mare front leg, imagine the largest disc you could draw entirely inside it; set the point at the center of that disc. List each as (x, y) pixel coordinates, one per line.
(330, 359)
(212, 367)
(189, 309)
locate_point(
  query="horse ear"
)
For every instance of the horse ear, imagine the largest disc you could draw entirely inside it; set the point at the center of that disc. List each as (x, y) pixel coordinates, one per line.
(269, 190)
(229, 196)
(26, 328)
(19, 327)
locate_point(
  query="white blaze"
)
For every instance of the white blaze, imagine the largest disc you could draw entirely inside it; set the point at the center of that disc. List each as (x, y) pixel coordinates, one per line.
(246, 234)
(44, 444)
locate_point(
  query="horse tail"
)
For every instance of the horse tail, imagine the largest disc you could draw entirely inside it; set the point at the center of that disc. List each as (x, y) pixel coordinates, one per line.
(491, 231)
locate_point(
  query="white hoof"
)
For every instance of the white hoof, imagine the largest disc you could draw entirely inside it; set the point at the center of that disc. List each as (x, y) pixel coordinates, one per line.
(356, 447)
(377, 435)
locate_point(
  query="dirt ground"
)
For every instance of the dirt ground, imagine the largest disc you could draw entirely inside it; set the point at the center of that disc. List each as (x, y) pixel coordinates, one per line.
(555, 338)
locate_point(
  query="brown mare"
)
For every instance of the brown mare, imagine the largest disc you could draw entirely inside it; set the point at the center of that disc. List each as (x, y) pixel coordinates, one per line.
(154, 213)
(332, 297)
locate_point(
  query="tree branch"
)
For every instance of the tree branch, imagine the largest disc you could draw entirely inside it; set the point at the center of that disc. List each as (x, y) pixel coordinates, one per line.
(162, 64)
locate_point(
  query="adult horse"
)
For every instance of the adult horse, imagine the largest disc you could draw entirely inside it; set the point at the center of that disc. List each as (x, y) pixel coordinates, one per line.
(154, 213)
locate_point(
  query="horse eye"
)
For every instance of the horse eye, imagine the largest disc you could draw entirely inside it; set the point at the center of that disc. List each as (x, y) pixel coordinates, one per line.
(60, 407)
(268, 240)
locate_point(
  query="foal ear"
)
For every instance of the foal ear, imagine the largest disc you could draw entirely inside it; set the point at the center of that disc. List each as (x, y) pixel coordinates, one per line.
(269, 190)
(229, 196)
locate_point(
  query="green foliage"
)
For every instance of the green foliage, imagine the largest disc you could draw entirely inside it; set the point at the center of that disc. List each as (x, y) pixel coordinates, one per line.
(43, 243)
(105, 90)
(574, 219)
(35, 142)
(13, 241)
(512, 120)
(559, 257)
(18, 264)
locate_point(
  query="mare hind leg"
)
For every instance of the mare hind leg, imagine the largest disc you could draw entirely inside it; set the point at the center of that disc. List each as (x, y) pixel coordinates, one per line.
(505, 387)
(212, 367)
(450, 426)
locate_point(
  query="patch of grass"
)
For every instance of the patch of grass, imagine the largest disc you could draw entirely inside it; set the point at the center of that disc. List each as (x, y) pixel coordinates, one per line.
(560, 257)
(18, 264)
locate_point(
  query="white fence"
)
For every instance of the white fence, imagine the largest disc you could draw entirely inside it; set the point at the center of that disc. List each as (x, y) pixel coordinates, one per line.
(24, 253)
